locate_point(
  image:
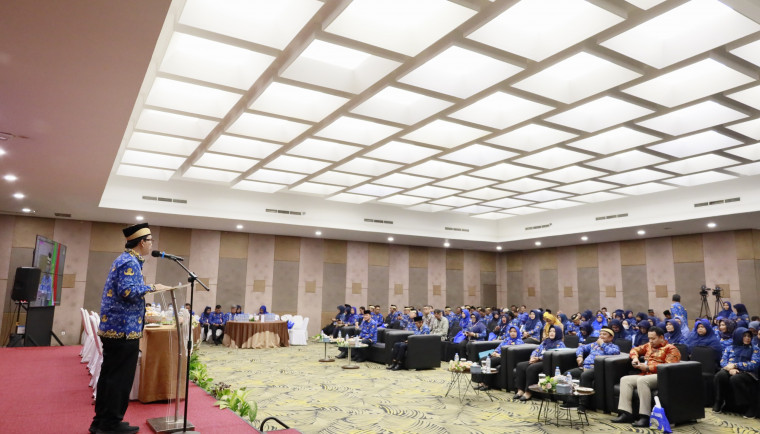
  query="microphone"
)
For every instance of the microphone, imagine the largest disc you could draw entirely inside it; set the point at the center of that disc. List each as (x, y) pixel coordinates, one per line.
(157, 254)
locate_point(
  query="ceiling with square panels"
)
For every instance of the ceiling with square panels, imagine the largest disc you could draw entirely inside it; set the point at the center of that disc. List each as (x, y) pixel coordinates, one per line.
(473, 114)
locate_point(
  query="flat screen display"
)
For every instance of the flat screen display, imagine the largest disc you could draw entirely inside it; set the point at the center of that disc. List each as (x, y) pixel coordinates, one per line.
(49, 257)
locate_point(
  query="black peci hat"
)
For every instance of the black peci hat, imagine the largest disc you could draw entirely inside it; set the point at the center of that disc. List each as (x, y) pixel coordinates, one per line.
(136, 231)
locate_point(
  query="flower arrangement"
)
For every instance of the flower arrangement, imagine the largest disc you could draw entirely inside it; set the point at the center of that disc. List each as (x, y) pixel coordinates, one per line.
(548, 384)
(460, 366)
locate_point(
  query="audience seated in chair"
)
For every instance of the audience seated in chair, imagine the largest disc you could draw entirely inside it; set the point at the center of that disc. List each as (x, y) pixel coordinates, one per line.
(400, 348)
(655, 352)
(527, 372)
(585, 356)
(736, 382)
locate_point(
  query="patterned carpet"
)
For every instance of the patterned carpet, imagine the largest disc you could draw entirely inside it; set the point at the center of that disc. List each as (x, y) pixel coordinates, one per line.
(313, 397)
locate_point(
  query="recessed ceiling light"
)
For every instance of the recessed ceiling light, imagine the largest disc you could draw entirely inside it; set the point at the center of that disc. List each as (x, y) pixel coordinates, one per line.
(26, 210)
(584, 238)
(538, 243)
(239, 226)
(139, 218)
(641, 232)
(498, 247)
(711, 225)
(19, 195)
(2, 152)
(10, 178)
(390, 239)
(318, 233)
(446, 244)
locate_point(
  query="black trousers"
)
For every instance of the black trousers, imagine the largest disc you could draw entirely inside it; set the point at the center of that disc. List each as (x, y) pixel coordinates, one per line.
(117, 372)
(587, 380)
(738, 391)
(527, 374)
(214, 328)
(358, 354)
(399, 352)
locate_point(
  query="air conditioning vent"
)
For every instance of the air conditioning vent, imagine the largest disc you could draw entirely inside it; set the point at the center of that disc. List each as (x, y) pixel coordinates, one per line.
(531, 228)
(63, 214)
(284, 211)
(717, 202)
(457, 229)
(613, 216)
(165, 199)
(386, 222)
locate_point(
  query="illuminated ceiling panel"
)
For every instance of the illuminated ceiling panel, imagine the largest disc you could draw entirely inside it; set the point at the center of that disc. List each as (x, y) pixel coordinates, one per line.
(460, 72)
(163, 144)
(244, 147)
(478, 155)
(684, 31)
(614, 140)
(323, 149)
(501, 110)
(577, 77)
(539, 28)
(267, 127)
(697, 164)
(261, 187)
(337, 67)
(531, 137)
(695, 117)
(191, 98)
(399, 25)
(297, 102)
(553, 158)
(349, 129)
(694, 144)
(402, 152)
(599, 114)
(445, 134)
(401, 106)
(748, 128)
(626, 161)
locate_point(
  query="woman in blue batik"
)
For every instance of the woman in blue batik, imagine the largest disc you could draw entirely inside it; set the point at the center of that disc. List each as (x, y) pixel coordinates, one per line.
(204, 321)
(512, 338)
(617, 327)
(702, 336)
(673, 335)
(741, 312)
(726, 329)
(585, 333)
(599, 322)
(527, 372)
(727, 312)
(531, 332)
(736, 382)
(642, 335)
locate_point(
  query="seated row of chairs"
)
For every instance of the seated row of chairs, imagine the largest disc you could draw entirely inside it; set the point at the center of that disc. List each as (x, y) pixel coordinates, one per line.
(298, 334)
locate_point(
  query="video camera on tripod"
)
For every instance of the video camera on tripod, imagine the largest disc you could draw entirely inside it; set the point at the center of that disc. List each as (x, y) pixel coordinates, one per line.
(704, 291)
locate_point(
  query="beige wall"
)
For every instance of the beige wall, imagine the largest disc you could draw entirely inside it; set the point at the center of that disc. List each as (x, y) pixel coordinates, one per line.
(674, 265)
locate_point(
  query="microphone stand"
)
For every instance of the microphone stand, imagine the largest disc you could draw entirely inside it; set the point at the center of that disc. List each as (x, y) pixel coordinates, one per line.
(192, 278)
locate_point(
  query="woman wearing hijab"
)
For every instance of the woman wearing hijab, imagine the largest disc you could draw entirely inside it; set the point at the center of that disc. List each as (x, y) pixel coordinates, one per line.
(494, 323)
(618, 314)
(527, 372)
(641, 316)
(628, 315)
(474, 331)
(599, 322)
(549, 322)
(585, 333)
(204, 321)
(726, 329)
(512, 338)
(642, 335)
(587, 315)
(702, 336)
(736, 381)
(502, 329)
(673, 332)
(727, 312)
(629, 328)
(617, 327)
(531, 331)
(334, 325)
(741, 312)
(464, 318)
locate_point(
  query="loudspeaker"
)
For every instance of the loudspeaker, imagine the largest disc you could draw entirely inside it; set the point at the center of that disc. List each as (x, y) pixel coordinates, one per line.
(39, 324)
(26, 284)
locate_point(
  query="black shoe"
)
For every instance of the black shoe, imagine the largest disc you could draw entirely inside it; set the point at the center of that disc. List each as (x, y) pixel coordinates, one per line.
(643, 422)
(389, 367)
(718, 407)
(568, 404)
(516, 396)
(581, 408)
(341, 356)
(122, 428)
(623, 417)
(396, 367)
(525, 398)
(94, 428)
(750, 414)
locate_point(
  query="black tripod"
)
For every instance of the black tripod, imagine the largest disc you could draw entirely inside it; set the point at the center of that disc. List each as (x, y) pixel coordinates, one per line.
(718, 300)
(704, 310)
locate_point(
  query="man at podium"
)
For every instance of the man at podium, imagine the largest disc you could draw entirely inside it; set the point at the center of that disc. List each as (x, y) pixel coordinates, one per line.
(122, 309)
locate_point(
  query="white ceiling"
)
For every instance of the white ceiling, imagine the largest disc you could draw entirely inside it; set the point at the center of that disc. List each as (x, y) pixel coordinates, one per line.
(482, 123)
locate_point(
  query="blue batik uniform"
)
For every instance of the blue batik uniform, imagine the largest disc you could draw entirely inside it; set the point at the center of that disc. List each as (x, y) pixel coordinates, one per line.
(590, 351)
(451, 317)
(404, 321)
(534, 332)
(229, 316)
(377, 318)
(368, 330)
(479, 329)
(216, 318)
(539, 351)
(424, 330)
(122, 306)
(677, 309)
(205, 318)
(570, 327)
(729, 356)
(508, 342)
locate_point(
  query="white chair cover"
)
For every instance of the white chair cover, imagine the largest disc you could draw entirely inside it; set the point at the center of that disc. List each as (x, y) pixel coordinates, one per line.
(298, 334)
(88, 345)
(98, 359)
